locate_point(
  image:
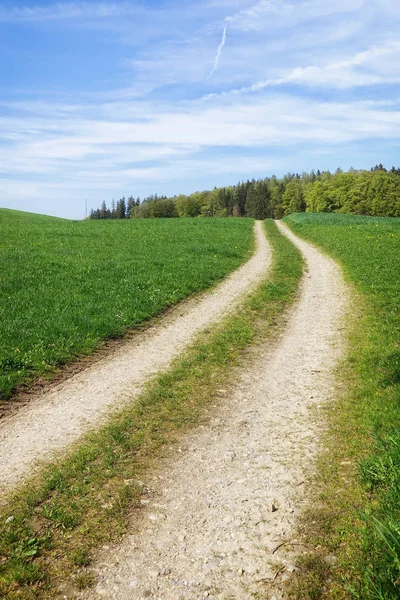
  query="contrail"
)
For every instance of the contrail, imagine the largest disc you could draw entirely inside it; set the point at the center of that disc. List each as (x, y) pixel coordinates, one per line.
(219, 51)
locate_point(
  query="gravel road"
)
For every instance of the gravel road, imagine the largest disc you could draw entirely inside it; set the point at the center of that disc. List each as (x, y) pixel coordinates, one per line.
(219, 510)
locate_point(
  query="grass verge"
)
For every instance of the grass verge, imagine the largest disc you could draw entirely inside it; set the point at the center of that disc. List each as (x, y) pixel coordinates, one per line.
(356, 521)
(50, 527)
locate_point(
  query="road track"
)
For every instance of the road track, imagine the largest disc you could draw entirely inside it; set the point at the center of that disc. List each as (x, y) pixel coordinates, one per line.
(221, 511)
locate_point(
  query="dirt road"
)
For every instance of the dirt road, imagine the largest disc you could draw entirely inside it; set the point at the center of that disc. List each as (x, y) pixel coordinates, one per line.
(52, 421)
(217, 511)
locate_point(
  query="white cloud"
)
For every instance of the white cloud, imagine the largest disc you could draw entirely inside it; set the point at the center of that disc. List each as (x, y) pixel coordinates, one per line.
(182, 133)
(252, 18)
(377, 65)
(281, 13)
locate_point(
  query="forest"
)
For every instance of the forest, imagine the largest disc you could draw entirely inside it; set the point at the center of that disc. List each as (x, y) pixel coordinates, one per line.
(373, 193)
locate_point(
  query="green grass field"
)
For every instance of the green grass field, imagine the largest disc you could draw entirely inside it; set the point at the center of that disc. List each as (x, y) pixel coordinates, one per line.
(361, 520)
(65, 285)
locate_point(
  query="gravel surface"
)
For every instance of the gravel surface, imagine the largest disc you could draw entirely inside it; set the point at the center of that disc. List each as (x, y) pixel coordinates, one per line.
(220, 510)
(55, 419)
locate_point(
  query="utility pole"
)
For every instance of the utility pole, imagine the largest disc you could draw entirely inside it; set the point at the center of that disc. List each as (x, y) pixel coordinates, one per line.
(85, 208)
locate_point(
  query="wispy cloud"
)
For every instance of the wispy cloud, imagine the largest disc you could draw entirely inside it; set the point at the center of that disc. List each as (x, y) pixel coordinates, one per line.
(365, 68)
(249, 18)
(283, 12)
(174, 133)
(219, 52)
(68, 10)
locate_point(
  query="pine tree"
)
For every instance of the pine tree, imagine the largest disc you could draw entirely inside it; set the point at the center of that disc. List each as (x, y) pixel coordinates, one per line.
(130, 206)
(103, 210)
(113, 210)
(258, 201)
(121, 209)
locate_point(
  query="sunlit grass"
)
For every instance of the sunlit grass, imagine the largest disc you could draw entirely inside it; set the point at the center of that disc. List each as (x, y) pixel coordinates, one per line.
(65, 285)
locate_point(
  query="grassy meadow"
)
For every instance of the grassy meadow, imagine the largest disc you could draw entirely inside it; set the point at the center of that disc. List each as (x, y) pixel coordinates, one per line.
(359, 519)
(66, 285)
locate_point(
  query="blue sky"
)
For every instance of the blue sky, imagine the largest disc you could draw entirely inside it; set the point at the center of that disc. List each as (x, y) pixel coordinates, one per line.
(104, 99)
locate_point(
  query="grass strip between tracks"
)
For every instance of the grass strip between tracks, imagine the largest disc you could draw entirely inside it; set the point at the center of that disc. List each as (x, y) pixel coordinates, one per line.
(51, 527)
(355, 520)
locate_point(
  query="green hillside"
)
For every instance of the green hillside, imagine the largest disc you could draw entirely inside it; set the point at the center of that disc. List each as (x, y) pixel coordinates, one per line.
(65, 285)
(7, 215)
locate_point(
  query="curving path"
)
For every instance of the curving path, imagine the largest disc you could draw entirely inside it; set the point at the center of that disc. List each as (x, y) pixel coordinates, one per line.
(220, 509)
(52, 421)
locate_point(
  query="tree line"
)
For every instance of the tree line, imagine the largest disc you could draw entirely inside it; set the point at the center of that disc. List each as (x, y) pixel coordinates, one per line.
(375, 193)
(122, 209)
